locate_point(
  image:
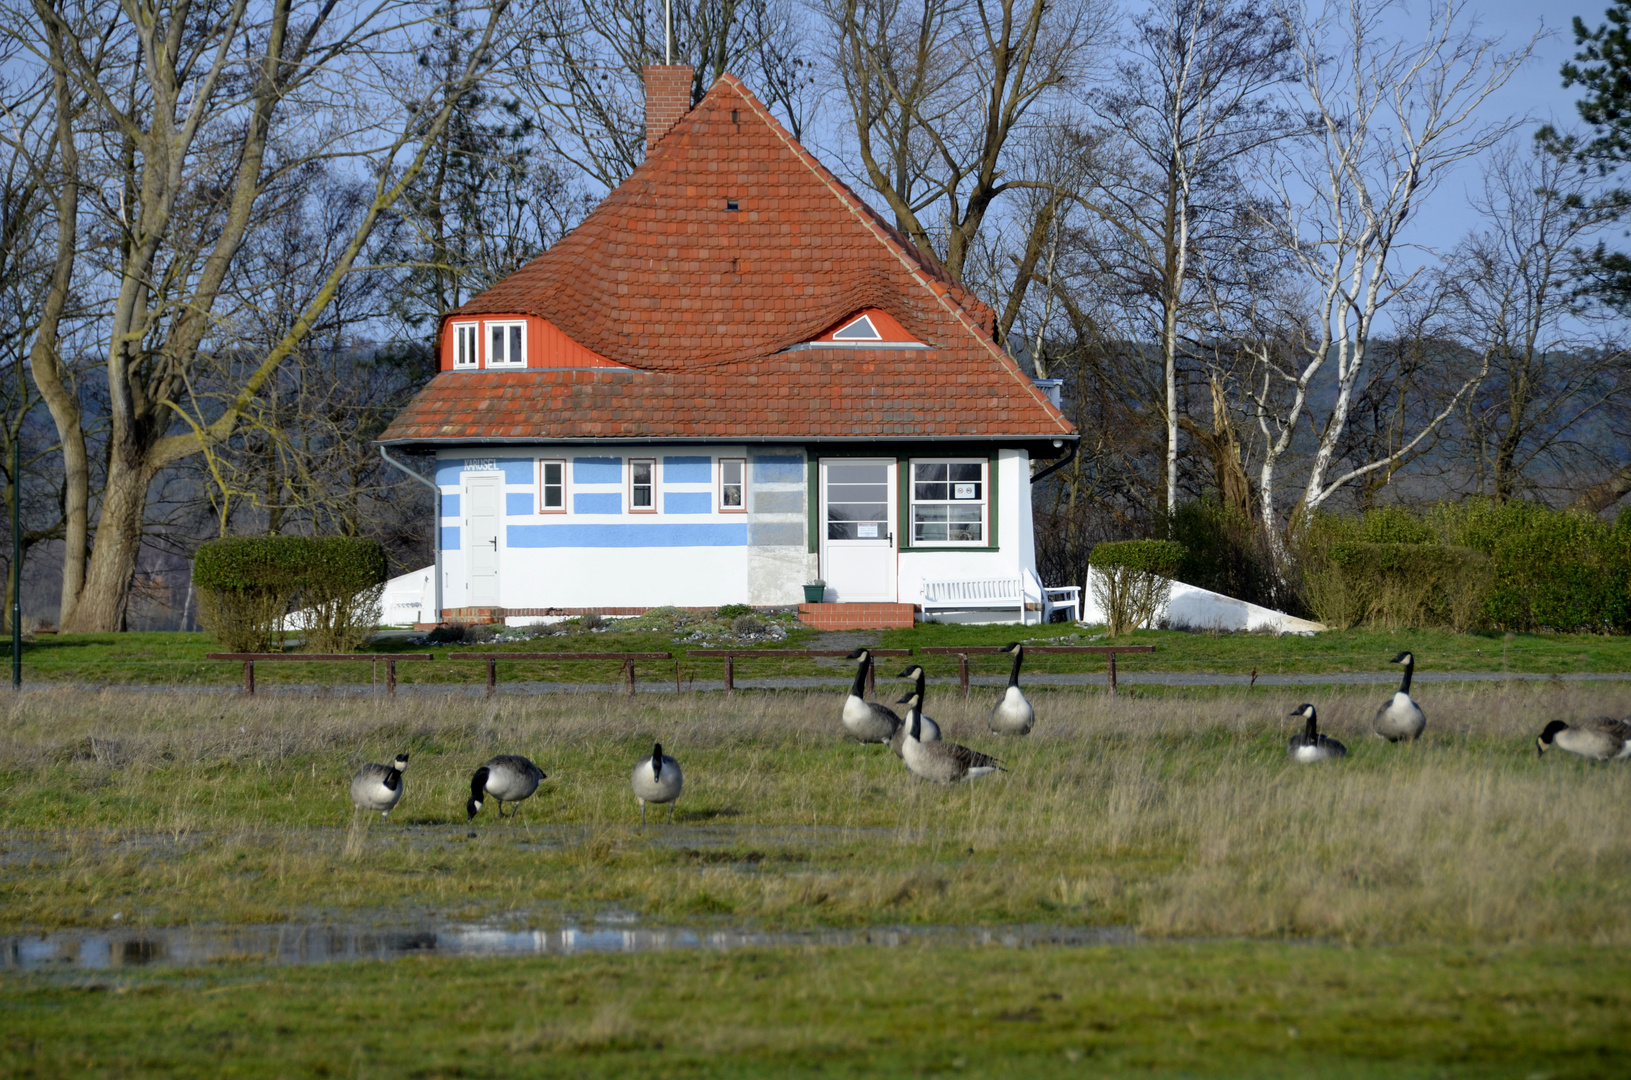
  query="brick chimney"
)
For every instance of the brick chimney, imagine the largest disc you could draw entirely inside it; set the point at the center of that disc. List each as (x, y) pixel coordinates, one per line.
(668, 97)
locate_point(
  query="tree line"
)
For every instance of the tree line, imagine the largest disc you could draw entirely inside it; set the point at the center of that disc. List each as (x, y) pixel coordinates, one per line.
(229, 230)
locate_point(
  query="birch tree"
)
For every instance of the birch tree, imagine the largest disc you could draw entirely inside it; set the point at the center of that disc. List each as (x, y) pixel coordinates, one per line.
(1393, 118)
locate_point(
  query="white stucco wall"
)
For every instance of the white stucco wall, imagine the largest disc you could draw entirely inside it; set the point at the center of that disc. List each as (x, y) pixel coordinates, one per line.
(704, 558)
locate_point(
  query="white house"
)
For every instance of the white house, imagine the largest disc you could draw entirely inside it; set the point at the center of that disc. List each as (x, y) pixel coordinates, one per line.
(733, 378)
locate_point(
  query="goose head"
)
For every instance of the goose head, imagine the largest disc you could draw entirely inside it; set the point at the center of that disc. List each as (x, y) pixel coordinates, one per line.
(1304, 711)
(1548, 733)
(1403, 658)
(401, 762)
(859, 654)
(912, 672)
(1013, 647)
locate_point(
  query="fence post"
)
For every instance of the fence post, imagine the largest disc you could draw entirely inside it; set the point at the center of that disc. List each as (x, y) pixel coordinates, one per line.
(962, 672)
(492, 676)
(628, 675)
(390, 678)
(730, 673)
(249, 678)
(1111, 672)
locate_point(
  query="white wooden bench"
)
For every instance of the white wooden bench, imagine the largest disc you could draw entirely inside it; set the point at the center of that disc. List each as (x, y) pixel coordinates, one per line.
(1000, 594)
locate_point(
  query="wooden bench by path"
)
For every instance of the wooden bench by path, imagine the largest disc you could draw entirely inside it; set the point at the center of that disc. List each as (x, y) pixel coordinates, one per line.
(964, 652)
(628, 659)
(730, 656)
(249, 659)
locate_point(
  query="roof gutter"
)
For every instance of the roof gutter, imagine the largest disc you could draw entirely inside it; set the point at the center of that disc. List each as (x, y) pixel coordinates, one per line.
(722, 440)
(436, 521)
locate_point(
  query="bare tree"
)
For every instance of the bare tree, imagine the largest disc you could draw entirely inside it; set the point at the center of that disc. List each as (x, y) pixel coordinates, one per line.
(1392, 118)
(938, 92)
(581, 69)
(176, 125)
(1192, 102)
(1520, 291)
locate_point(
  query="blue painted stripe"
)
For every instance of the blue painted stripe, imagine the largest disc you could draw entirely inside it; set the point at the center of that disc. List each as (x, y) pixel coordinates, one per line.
(517, 470)
(518, 504)
(778, 470)
(450, 538)
(627, 536)
(450, 505)
(448, 469)
(688, 502)
(687, 470)
(597, 470)
(602, 502)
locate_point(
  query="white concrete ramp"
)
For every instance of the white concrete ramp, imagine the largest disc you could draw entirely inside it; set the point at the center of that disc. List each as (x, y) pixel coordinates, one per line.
(1193, 608)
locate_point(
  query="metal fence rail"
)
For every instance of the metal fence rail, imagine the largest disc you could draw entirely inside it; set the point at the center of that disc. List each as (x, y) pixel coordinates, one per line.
(963, 652)
(628, 659)
(730, 656)
(249, 660)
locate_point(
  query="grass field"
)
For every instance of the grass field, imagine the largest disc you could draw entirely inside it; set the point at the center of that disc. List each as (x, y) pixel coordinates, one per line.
(1457, 906)
(178, 659)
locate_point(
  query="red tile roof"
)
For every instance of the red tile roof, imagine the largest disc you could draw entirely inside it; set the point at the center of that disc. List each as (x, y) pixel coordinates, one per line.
(702, 301)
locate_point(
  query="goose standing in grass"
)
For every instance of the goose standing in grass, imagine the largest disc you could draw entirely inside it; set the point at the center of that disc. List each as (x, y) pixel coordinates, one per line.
(509, 778)
(378, 787)
(657, 779)
(867, 721)
(1601, 738)
(930, 731)
(1401, 718)
(1311, 745)
(942, 762)
(1013, 715)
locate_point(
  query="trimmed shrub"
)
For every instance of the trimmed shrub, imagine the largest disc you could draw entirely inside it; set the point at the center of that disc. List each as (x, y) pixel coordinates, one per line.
(1412, 585)
(1134, 580)
(248, 585)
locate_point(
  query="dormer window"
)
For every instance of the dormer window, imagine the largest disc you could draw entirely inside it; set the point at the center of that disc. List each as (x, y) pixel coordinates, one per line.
(730, 204)
(506, 344)
(859, 330)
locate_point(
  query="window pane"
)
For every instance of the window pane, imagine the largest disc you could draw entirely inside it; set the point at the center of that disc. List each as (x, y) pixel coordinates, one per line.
(965, 470)
(515, 353)
(858, 474)
(929, 470)
(495, 353)
(857, 492)
(857, 511)
(926, 492)
(730, 471)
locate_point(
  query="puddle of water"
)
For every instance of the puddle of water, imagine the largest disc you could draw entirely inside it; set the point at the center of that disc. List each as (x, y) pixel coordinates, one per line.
(314, 943)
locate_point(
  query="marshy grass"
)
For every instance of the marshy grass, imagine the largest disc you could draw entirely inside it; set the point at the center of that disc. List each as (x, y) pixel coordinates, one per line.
(1176, 814)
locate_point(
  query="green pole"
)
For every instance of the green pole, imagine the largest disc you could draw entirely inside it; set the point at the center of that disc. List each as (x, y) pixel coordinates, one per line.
(17, 541)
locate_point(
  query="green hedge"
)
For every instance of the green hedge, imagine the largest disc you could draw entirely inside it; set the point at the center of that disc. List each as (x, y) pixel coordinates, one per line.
(1162, 557)
(1412, 585)
(248, 584)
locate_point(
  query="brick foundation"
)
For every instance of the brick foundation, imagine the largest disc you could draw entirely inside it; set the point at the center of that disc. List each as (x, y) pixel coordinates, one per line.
(857, 616)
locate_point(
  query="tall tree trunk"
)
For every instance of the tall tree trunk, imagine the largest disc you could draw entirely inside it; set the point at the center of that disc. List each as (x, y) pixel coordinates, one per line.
(102, 602)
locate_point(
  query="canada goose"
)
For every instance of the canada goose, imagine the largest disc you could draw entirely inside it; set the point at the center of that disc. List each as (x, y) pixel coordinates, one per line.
(942, 762)
(866, 720)
(1601, 738)
(1400, 718)
(378, 787)
(1013, 715)
(657, 779)
(509, 778)
(1311, 745)
(930, 731)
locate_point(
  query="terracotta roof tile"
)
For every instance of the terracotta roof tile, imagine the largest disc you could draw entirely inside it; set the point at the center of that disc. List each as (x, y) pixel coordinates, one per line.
(701, 302)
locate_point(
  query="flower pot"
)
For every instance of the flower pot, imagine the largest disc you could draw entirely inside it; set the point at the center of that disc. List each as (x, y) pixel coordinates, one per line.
(814, 593)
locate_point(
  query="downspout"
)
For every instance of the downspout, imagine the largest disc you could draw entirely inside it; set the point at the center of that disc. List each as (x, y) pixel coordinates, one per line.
(436, 528)
(1068, 457)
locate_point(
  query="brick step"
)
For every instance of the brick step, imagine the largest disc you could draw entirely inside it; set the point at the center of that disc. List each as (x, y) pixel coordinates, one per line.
(857, 616)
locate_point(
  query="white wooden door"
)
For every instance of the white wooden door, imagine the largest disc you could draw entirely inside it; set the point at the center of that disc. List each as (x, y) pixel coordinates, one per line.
(858, 529)
(482, 495)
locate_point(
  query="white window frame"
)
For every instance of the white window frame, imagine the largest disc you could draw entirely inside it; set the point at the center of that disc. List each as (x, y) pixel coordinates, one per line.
(543, 507)
(466, 346)
(650, 485)
(506, 325)
(984, 502)
(742, 483)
